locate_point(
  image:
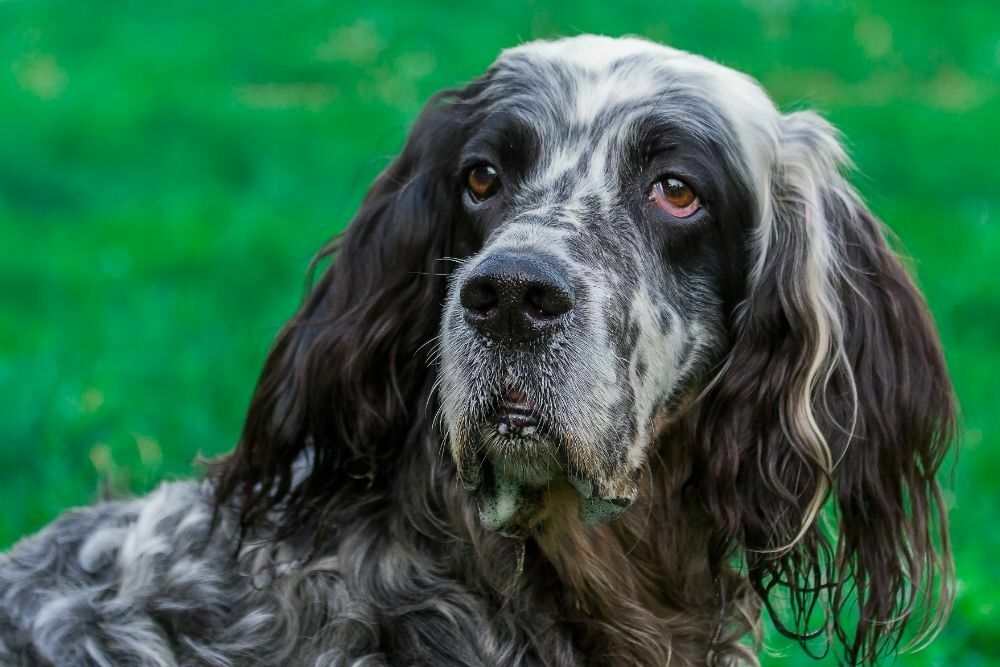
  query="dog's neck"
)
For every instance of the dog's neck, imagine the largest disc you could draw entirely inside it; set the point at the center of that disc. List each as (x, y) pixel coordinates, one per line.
(640, 586)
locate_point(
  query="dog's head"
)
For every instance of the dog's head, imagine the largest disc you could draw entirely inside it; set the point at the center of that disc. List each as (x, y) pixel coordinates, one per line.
(599, 249)
(606, 218)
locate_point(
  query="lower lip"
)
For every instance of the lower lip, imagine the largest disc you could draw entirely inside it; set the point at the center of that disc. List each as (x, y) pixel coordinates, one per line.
(503, 428)
(516, 420)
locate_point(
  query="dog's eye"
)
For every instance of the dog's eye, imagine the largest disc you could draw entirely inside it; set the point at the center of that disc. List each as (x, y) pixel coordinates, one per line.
(483, 182)
(675, 197)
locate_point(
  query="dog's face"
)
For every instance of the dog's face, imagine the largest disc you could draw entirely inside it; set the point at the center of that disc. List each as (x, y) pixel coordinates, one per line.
(603, 242)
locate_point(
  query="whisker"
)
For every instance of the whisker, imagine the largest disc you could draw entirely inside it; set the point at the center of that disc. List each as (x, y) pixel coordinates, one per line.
(427, 342)
(456, 260)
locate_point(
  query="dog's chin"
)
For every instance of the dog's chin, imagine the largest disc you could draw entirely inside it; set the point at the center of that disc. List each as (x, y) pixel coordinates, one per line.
(522, 484)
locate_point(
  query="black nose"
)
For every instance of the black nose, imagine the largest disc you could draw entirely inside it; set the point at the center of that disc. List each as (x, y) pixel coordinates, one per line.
(516, 298)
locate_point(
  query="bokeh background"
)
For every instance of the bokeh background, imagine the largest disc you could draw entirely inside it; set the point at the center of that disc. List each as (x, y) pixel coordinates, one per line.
(168, 169)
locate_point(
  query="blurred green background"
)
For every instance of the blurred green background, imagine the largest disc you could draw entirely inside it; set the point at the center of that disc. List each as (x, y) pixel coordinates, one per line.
(168, 169)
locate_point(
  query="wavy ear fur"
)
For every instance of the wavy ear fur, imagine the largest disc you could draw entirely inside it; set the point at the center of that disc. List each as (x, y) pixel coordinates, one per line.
(344, 381)
(835, 403)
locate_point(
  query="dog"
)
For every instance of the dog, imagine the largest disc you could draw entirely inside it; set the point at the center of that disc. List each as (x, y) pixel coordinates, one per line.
(611, 362)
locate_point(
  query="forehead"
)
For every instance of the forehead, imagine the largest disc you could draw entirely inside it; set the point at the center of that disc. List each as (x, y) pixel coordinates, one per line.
(574, 86)
(595, 74)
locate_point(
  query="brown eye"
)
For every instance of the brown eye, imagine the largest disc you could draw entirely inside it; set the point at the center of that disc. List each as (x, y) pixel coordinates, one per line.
(675, 197)
(483, 182)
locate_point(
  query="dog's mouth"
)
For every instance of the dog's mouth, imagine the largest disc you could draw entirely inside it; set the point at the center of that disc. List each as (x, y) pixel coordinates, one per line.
(516, 415)
(521, 474)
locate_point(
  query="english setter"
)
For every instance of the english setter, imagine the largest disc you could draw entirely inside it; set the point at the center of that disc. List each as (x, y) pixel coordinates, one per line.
(682, 378)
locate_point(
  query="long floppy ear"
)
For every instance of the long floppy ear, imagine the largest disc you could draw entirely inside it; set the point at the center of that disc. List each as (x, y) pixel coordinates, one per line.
(835, 403)
(342, 386)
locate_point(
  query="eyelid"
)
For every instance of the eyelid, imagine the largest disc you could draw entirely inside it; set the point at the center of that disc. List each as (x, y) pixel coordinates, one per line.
(680, 173)
(471, 160)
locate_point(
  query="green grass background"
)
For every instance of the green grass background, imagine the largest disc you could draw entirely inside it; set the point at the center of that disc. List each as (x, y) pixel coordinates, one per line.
(167, 170)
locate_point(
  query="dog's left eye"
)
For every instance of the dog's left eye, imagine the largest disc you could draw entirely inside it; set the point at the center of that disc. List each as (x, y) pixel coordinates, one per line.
(483, 182)
(675, 197)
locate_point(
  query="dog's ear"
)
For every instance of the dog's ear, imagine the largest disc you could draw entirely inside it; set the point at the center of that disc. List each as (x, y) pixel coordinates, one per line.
(345, 382)
(835, 390)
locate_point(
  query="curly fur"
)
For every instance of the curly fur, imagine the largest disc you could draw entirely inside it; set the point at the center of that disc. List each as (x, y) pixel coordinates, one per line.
(751, 408)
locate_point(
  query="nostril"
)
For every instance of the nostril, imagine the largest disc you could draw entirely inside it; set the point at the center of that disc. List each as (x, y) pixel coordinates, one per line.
(534, 303)
(479, 296)
(546, 302)
(516, 298)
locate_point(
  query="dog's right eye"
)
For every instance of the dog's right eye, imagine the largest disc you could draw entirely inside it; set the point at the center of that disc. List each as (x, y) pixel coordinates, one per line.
(483, 182)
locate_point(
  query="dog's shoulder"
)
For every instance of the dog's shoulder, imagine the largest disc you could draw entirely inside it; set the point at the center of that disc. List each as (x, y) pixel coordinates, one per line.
(153, 581)
(121, 578)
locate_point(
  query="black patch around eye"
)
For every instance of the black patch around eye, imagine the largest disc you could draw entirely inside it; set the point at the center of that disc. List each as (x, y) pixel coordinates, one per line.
(678, 166)
(504, 141)
(684, 139)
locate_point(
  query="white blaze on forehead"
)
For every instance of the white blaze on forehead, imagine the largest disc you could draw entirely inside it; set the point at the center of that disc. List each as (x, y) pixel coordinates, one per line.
(594, 95)
(593, 181)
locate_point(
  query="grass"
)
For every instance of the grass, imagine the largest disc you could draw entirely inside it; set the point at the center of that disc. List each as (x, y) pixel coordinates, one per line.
(167, 170)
